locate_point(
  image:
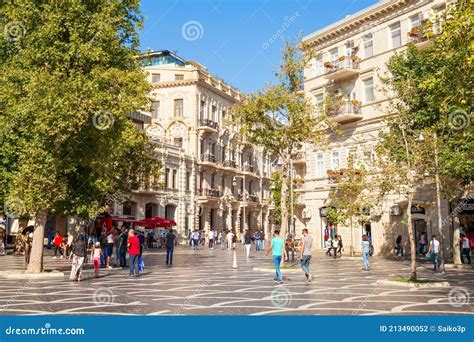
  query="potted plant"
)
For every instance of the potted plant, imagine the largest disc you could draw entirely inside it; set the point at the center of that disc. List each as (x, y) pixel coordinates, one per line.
(328, 64)
(355, 58)
(341, 58)
(414, 32)
(355, 102)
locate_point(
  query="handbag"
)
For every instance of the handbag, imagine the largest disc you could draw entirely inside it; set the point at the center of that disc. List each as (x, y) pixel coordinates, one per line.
(141, 264)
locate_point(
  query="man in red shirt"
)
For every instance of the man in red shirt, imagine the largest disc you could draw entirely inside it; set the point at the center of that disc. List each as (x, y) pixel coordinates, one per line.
(58, 240)
(133, 252)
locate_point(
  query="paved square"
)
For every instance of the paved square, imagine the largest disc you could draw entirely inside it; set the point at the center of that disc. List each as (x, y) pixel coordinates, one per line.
(206, 284)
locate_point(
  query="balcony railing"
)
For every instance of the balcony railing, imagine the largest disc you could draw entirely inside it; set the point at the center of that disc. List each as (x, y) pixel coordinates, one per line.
(252, 198)
(210, 158)
(230, 163)
(343, 66)
(248, 168)
(208, 192)
(208, 123)
(298, 158)
(348, 111)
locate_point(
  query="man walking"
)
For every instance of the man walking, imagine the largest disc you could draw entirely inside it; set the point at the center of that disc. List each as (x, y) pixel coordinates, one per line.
(195, 237)
(123, 248)
(433, 251)
(230, 240)
(465, 249)
(170, 241)
(133, 252)
(258, 244)
(278, 251)
(211, 239)
(305, 254)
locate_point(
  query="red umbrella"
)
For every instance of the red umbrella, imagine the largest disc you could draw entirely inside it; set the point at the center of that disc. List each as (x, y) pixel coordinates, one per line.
(155, 222)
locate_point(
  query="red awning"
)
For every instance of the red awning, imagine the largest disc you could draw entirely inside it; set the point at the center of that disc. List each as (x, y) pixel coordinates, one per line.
(155, 222)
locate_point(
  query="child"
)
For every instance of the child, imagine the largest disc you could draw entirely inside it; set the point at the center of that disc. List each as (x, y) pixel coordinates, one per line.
(96, 254)
(365, 251)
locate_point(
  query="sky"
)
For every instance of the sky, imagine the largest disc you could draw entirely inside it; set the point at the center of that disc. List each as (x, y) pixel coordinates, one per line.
(240, 41)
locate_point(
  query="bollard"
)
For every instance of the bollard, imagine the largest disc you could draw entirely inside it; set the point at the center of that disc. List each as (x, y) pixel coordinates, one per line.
(234, 263)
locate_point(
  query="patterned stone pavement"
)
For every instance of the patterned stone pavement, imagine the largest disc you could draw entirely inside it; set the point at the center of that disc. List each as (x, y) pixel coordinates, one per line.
(206, 284)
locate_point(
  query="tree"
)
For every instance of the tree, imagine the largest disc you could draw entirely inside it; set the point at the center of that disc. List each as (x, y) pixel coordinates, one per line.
(69, 80)
(280, 117)
(352, 196)
(436, 88)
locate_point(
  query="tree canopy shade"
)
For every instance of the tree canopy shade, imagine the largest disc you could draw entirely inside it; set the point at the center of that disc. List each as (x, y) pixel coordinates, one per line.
(281, 118)
(69, 80)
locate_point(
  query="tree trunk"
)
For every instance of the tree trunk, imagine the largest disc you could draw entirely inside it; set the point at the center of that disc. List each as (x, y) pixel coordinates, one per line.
(457, 247)
(36, 257)
(411, 238)
(284, 196)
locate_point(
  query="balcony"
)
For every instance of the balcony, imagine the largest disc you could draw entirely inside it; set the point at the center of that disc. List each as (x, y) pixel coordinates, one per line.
(420, 37)
(248, 168)
(342, 68)
(348, 111)
(229, 164)
(300, 200)
(207, 125)
(299, 158)
(252, 198)
(207, 194)
(208, 159)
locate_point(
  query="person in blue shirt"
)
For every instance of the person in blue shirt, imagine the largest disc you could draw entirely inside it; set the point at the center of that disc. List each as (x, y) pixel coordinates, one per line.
(278, 251)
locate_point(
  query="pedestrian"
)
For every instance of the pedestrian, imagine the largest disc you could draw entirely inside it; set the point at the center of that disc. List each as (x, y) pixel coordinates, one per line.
(211, 239)
(248, 242)
(133, 252)
(70, 240)
(328, 246)
(103, 246)
(96, 256)
(79, 251)
(222, 239)
(434, 251)
(422, 243)
(399, 247)
(123, 248)
(57, 242)
(262, 240)
(117, 239)
(277, 248)
(258, 243)
(195, 237)
(335, 245)
(109, 250)
(365, 247)
(465, 249)
(341, 246)
(230, 240)
(234, 239)
(306, 247)
(2, 244)
(170, 242)
(141, 239)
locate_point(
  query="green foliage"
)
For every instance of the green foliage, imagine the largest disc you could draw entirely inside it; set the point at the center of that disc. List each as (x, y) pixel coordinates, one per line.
(73, 67)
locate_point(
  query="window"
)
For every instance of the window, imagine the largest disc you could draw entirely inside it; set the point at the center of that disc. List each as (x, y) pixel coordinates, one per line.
(179, 77)
(414, 21)
(155, 78)
(188, 181)
(178, 142)
(319, 66)
(395, 35)
(167, 176)
(201, 179)
(178, 107)
(369, 90)
(201, 109)
(174, 179)
(214, 111)
(333, 54)
(368, 45)
(335, 160)
(155, 109)
(318, 101)
(320, 165)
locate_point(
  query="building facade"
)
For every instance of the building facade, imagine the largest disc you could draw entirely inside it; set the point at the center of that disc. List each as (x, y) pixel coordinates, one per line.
(350, 61)
(211, 178)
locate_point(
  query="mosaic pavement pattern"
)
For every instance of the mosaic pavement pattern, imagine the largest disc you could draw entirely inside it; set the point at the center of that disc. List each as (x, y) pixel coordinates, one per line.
(206, 284)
